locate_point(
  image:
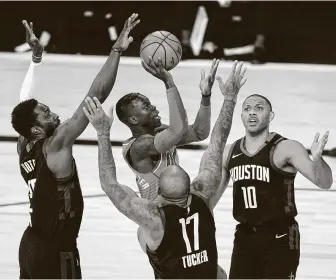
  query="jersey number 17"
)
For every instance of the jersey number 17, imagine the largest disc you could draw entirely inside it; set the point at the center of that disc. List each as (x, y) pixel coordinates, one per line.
(184, 222)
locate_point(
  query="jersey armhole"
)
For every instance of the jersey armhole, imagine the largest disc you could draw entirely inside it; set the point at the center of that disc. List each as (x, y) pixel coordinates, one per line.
(226, 164)
(272, 161)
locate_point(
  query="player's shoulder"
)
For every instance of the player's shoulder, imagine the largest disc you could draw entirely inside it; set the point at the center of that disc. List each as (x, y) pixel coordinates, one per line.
(141, 144)
(288, 147)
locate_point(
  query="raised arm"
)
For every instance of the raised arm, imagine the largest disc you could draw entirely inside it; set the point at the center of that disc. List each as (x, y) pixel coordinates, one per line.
(29, 82)
(314, 169)
(101, 87)
(200, 129)
(148, 145)
(207, 182)
(143, 212)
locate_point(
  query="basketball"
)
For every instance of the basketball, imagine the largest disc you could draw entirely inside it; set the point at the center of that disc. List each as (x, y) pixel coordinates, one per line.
(161, 44)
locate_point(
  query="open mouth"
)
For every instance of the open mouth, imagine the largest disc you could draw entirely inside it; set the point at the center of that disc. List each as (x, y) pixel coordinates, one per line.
(253, 121)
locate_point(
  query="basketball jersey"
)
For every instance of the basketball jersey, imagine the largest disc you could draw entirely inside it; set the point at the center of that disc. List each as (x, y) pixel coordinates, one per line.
(261, 191)
(56, 205)
(148, 183)
(188, 248)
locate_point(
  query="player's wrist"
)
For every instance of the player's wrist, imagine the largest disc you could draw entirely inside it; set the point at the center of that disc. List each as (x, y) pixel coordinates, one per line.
(36, 58)
(103, 134)
(169, 83)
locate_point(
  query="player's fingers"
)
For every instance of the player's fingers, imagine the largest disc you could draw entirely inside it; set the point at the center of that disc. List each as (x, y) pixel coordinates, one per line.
(233, 70)
(152, 65)
(86, 113)
(239, 67)
(243, 73)
(147, 67)
(130, 39)
(26, 25)
(90, 106)
(31, 27)
(202, 74)
(97, 103)
(325, 137)
(214, 70)
(160, 63)
(110, 112)
(135, 24)
(316, 137)
(243, 81)
(219, 80)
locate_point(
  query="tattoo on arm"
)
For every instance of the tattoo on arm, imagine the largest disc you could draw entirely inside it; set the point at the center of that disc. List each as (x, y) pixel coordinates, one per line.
(141, 211)
(210, 171)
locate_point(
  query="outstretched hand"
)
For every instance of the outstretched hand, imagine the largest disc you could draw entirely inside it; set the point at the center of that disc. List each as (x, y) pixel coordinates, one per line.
(234, 82)
(207, 82)
(97, 116)
(32, 40)
(124, 39)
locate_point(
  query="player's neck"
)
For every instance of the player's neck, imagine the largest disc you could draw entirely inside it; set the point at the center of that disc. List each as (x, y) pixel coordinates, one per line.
(138, 131)
(255, 141)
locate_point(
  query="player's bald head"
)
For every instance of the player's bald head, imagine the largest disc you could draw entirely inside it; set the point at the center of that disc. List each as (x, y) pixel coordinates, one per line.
(174, 182)
(260, 98)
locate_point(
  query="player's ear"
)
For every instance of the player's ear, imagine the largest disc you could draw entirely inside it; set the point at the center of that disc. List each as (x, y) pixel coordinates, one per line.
(132, 120)
(271, 116)
(36, 131)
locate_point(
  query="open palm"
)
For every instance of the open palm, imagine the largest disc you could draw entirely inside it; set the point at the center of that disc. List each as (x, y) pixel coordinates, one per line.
(207, 82)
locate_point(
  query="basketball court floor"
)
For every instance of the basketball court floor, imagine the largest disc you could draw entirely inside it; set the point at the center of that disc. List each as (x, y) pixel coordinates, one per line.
(304, 101)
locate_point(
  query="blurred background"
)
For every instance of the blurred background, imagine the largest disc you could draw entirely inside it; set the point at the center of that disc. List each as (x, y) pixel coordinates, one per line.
(283, 31)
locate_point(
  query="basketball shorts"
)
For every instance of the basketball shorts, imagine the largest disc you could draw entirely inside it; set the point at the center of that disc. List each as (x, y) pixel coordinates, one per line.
(268, 251)
(39, 260)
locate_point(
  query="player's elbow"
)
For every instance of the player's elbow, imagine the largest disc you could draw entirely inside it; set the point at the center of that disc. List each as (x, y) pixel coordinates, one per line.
(203, 134)
(326, 184)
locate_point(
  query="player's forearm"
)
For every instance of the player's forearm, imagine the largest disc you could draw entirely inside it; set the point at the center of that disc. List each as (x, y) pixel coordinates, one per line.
(104, 81)
(218, 139)
(323, 174)
(119, 195)
(178, 124)
(29, 82)
(106, 164)
(202, 122)
(178, 120)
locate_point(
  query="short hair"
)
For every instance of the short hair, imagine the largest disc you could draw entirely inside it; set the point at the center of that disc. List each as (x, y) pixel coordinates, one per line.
(24, 117)
(261, 96)
(123, 103)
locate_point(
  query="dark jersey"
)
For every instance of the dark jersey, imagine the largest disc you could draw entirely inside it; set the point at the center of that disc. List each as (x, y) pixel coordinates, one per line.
(188, 248)
(56, 205)
(261, 191)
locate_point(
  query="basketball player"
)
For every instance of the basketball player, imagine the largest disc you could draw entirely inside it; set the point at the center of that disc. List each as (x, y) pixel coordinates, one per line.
(48, 247)
(263, 166)
(147, 153)
(179, 224)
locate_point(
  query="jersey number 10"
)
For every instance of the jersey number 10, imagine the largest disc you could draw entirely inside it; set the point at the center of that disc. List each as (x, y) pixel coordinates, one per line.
(184, 222)
(250, 197)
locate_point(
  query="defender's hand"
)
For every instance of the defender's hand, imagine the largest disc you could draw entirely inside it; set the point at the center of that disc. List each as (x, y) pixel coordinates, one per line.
(32, 40)
(207, 82)
(157, 71)
(234, 82)
(97, 116)
(318, 146)
(124, 39)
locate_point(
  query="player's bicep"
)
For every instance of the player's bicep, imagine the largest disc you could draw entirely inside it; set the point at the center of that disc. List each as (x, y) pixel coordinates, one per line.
(299, 158)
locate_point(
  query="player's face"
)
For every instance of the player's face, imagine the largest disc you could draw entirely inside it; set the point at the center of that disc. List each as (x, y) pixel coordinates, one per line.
(46, 119)
(256, 114)
(145, 113)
